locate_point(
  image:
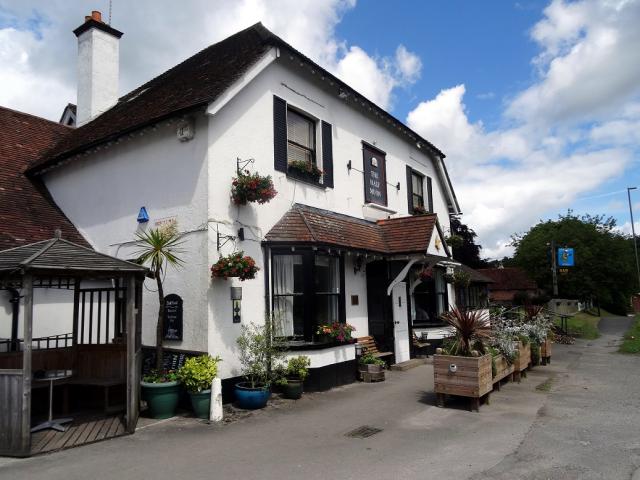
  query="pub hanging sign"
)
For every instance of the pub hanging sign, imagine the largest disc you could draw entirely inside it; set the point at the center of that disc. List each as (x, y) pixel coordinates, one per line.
(172, 328)
(375, 176)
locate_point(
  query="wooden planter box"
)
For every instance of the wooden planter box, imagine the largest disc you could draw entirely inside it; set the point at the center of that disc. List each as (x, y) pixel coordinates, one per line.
(472, 377)
(545, 352)
(503, 370)
(521, 363)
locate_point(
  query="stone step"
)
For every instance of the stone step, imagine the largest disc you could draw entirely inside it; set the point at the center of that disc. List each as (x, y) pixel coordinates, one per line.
(409, 364)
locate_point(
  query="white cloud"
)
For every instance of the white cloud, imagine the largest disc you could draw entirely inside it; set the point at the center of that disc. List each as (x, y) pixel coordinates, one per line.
(38, 51)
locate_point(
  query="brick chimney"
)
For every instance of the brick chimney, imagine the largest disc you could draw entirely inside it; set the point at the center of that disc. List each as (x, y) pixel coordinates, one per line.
(98, 67)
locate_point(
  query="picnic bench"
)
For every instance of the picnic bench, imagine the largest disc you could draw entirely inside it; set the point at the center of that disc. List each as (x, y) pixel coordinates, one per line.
(369, 347)
(419, 344)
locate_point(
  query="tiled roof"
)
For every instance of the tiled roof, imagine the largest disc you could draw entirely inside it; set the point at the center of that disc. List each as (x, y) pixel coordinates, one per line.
(509, 278)
(27, 212)
(304, 224)
(476, 276)
(59, 255)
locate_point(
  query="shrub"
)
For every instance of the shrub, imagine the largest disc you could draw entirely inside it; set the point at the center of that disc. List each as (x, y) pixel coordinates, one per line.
(258, 353)
(197, 373)
(472, 328)
(369, 359)
(163, 376)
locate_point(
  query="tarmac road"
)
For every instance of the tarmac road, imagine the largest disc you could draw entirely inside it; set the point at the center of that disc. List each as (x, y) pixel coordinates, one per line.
(586, 428)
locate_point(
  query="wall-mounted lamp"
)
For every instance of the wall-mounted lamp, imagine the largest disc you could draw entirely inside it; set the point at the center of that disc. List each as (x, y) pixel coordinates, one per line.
(143, 216)
(236, 298)
(358, 350)
(453, 368)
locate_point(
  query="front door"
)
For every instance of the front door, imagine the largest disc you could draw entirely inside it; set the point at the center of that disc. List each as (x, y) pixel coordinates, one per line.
(400, 322)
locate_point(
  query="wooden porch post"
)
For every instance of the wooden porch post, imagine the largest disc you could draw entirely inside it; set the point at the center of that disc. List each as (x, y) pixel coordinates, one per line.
(133, 373)
(27, 286)
(76, 310)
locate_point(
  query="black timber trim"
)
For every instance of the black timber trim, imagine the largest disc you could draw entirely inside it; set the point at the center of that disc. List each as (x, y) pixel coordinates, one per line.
(327, 154)
(279, 134)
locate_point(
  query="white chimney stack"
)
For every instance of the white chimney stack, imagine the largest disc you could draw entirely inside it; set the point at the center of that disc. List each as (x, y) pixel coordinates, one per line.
(98, 67)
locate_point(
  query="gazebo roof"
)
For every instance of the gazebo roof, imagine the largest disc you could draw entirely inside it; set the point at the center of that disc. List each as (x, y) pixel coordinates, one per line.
(56, 256)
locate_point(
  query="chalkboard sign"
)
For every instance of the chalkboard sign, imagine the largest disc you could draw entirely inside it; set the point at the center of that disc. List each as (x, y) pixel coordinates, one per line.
(172, 317)
(375, 176)
(172, 360)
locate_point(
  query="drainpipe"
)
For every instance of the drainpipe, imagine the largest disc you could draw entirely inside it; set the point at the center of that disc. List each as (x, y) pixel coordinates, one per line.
(15, 304)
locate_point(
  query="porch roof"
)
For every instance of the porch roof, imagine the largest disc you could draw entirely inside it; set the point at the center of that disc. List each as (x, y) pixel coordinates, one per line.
(305, 224)
(56, 256)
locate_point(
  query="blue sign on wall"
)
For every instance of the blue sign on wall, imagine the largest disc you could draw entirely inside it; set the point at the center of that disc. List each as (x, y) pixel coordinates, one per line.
(565, 257)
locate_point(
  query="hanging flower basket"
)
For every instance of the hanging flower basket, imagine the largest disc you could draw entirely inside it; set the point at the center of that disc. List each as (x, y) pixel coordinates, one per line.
(459, 278)
(419, 210)
(235, 265)
(426, 273)
(252, 187)
(304, 170)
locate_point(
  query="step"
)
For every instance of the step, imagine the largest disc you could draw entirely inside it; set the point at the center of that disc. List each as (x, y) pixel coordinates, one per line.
(409, 364)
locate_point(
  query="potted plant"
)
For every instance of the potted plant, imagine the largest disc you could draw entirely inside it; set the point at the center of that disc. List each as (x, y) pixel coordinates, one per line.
(292, 377)
(371, 364)
(462, 367)
(235, 265)
(252, 187)
(304, 170)
(196, 375)
(160, 248)
(161, 391)
(336, 332)
(537, 327)
(257, 354)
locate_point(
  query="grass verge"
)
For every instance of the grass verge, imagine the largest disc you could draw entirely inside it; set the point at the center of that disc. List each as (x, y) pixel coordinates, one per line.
(545, 386)
(585, 324)
(631, 342)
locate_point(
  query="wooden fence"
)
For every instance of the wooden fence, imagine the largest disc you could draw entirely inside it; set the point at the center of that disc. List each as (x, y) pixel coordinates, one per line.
(13, 441)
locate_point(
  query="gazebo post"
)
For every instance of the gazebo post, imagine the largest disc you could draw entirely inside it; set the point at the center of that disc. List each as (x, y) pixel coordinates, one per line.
(76, 310)
(27, 287)
(133, 381)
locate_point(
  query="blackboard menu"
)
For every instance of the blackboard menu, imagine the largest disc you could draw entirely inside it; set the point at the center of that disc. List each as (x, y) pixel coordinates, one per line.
(172, 317)
(172, 360)
(375, 176)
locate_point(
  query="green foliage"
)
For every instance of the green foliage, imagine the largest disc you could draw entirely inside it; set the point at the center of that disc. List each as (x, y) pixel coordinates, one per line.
(197, 373)
(462, 241)
(298, 367)
(584, 324)
(369, 359)
(631, 342)
(605, 261)
(258, 353)
(535, 353)
(472, 328)
(160, 376)
(305, 168)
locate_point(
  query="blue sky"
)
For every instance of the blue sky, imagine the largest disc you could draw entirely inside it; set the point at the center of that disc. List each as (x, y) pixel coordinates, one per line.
(535, 103)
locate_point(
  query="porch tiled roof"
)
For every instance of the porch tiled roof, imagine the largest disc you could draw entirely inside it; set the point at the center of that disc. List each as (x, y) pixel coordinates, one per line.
(304, 224)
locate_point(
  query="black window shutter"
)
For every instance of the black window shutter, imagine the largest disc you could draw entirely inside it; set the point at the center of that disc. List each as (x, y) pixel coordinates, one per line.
(410, 189)
(279, 134)
(327, 155)
(430, 195)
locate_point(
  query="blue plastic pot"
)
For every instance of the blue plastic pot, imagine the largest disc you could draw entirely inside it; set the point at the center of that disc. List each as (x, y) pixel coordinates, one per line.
(251, 398)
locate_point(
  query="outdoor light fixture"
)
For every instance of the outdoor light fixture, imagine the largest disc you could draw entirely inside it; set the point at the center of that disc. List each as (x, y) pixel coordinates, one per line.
(358, 350)
(453, 368)
(236, 297)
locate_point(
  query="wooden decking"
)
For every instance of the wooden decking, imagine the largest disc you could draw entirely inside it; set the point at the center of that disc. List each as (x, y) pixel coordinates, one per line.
(81, 431)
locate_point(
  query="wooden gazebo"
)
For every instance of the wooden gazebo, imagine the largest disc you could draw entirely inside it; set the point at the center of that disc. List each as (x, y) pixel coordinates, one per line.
(106, 338)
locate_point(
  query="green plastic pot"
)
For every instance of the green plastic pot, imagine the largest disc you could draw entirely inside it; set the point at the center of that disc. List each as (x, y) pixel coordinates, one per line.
(162, 398)
(201, 403)
(292, 389)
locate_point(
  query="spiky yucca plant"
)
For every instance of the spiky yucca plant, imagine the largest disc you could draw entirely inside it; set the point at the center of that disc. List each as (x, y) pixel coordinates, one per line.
(159, 248)
(472, 328)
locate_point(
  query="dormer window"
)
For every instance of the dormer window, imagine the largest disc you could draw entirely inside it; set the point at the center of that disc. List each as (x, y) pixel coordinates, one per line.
(301, 138)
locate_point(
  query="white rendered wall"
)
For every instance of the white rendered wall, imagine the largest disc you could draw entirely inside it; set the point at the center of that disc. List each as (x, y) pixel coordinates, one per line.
(103, 192)
(98, 69)
(244, 128)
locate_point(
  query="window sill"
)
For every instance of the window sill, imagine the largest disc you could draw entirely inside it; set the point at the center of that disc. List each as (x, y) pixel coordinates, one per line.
(300, 177)
(297, 345)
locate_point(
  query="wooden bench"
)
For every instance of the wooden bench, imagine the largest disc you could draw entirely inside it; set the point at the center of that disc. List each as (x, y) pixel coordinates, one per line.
(369, 347)
(419, 344)
(105, 384)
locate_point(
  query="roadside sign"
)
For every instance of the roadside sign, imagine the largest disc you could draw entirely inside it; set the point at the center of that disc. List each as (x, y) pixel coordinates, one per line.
(565, 257)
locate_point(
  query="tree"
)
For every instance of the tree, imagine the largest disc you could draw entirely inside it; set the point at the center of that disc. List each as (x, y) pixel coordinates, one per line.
(462, 241)
(159, 248)
(604, 259)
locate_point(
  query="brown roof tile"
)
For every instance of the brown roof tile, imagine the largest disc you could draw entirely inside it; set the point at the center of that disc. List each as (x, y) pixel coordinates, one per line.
(509, 278)
(27, 212)
(304, 224)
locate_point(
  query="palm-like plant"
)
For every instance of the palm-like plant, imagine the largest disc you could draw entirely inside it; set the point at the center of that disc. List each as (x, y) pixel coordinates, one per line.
(471, 326)
(159, 248)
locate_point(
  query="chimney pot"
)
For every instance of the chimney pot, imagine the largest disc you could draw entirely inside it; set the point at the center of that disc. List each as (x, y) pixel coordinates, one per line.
(96, 15)
(87, 18)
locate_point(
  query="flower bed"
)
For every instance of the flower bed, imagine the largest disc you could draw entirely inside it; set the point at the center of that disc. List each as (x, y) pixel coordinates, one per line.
(521, 363)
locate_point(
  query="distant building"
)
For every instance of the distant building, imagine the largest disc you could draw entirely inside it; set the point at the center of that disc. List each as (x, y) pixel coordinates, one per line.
(509, 285)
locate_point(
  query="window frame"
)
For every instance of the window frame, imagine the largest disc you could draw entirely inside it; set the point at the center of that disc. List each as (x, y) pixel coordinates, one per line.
(414, 195)
(309, 293)
(314, 123)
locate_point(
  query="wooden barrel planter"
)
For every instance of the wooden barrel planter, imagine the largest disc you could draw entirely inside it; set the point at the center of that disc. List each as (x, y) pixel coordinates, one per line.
(521, 363)
(462, 376)
(504, 369)
(545, 352)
